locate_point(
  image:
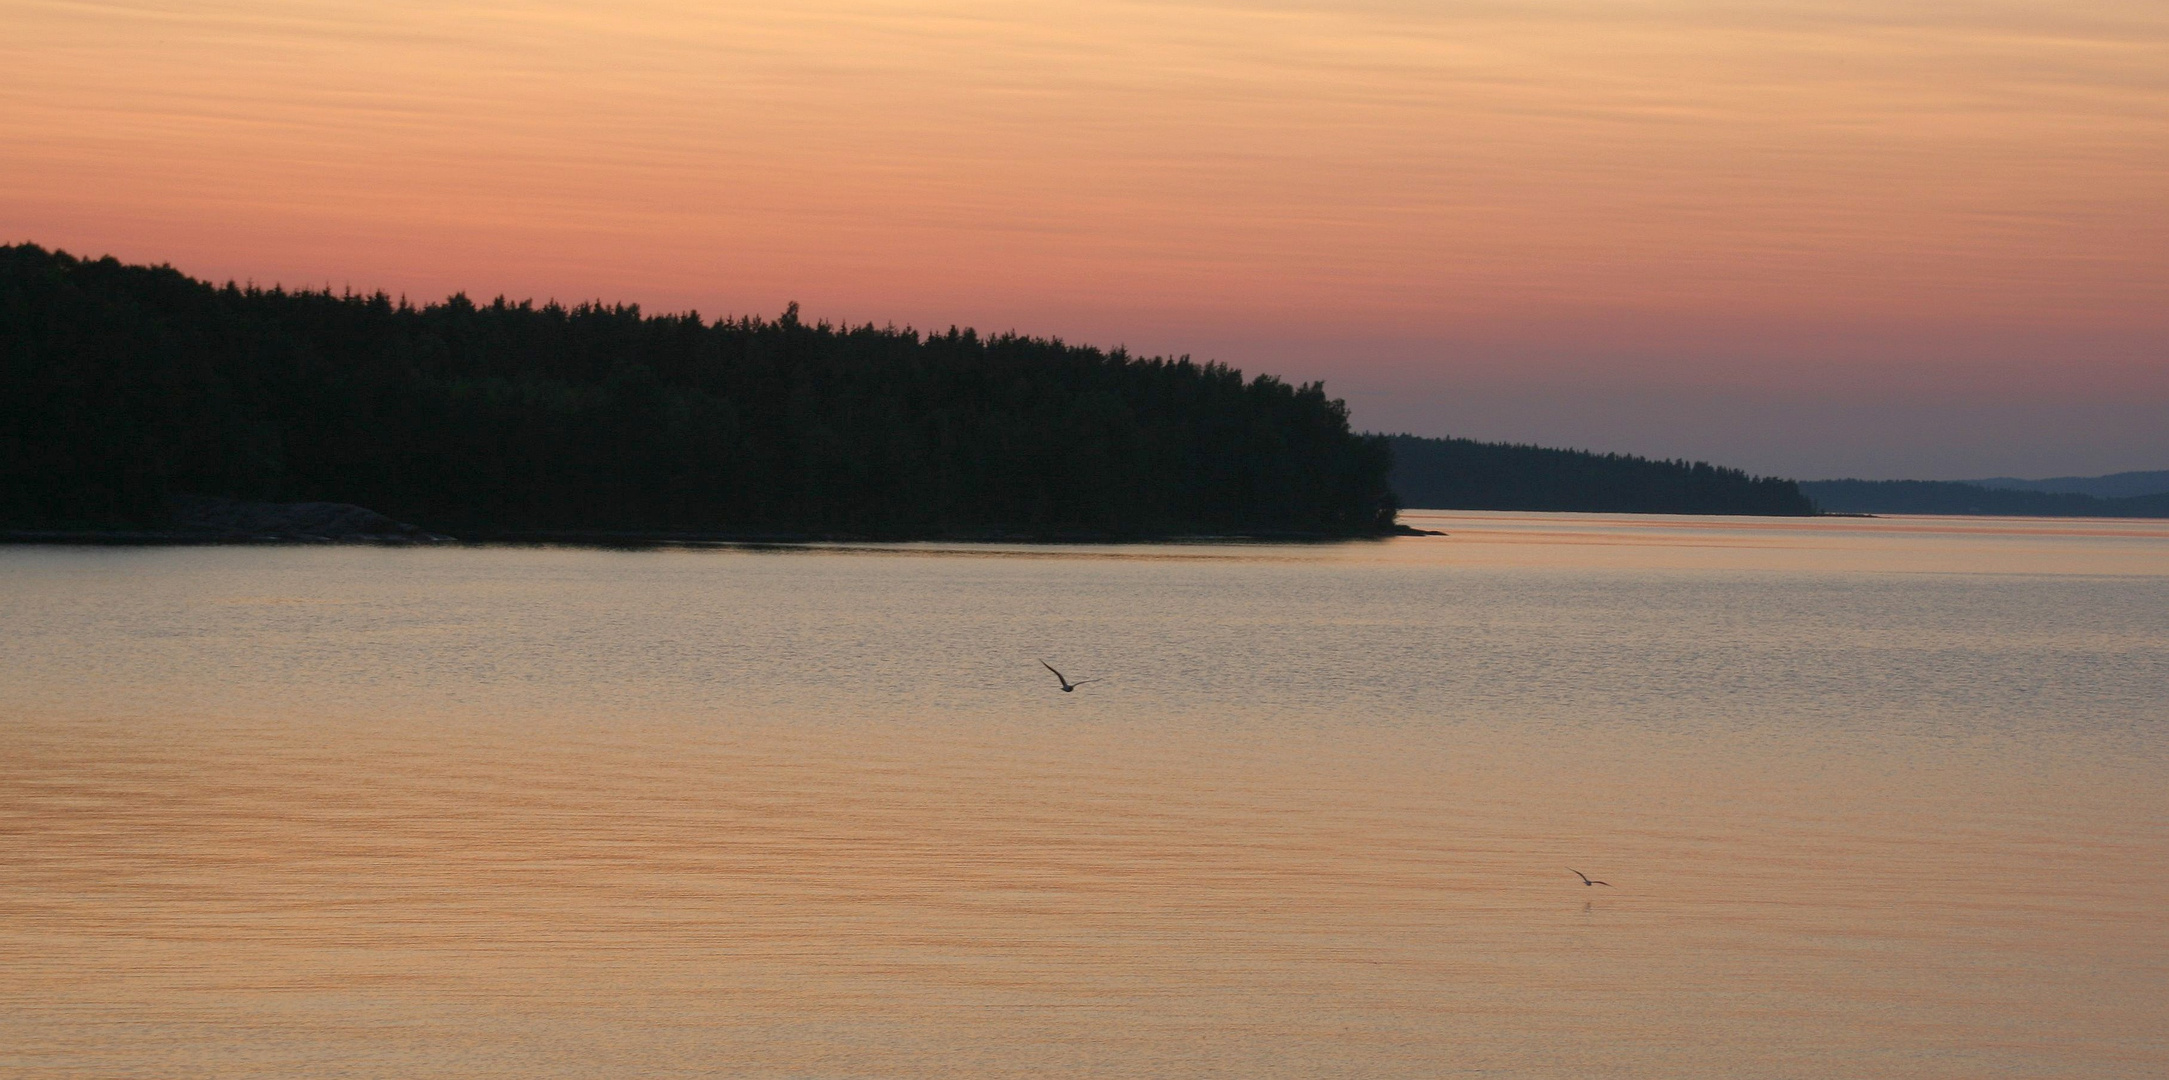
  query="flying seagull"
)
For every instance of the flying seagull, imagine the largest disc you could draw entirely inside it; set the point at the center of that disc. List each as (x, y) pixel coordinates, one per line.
(1586, 881)
(1067, 686)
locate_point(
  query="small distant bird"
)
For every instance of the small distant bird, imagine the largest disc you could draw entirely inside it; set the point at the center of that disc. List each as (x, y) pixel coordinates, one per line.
(1586, 881)
(1067, 686)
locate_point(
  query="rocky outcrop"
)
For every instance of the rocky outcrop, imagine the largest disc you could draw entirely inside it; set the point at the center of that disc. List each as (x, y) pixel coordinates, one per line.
(233, 519)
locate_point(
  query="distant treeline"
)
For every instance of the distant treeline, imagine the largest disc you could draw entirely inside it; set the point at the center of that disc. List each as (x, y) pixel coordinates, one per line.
(1945, 497)
(123, 385)
(2113, 486)
(1462, 474)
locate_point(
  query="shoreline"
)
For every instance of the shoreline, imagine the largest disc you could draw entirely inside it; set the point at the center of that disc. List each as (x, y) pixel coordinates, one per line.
(605, 538)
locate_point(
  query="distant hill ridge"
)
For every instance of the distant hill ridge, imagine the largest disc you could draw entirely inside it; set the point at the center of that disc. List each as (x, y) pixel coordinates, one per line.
(2121, 485)
(1463, 474)
(1952, 497)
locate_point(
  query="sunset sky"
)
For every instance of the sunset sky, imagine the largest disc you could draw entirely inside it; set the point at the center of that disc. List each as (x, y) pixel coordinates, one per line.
(1883, 238)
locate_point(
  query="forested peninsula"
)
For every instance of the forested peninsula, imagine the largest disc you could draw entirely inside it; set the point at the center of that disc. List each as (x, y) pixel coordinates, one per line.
(1462, 474)
(127, 392)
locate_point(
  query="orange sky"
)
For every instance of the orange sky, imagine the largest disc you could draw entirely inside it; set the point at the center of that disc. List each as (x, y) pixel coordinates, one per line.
(1877, 238)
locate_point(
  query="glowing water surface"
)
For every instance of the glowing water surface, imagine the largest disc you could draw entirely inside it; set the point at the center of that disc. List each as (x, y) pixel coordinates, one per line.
(1877, 798)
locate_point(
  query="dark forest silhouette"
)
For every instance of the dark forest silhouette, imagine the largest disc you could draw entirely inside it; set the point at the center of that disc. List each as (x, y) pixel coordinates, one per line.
(1462, 474)
(124, 386)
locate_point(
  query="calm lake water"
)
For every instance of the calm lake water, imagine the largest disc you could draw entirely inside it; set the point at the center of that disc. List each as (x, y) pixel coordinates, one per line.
(1876, 798)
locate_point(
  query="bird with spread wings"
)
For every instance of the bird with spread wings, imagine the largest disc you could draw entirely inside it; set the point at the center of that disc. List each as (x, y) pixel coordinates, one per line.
(1067, 686)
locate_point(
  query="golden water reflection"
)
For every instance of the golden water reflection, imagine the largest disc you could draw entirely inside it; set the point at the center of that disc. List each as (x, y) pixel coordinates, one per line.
(263, 859)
